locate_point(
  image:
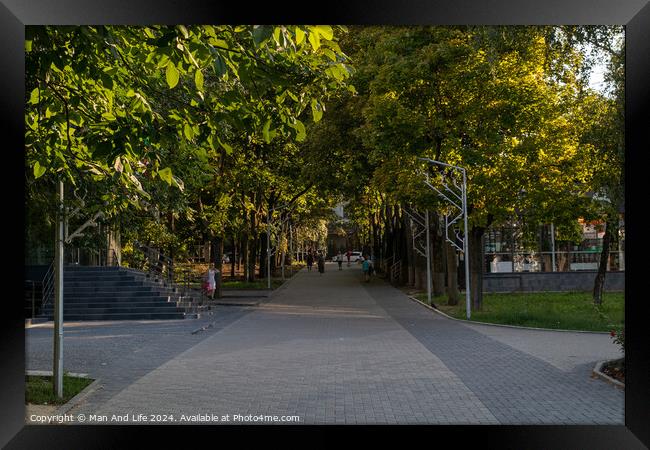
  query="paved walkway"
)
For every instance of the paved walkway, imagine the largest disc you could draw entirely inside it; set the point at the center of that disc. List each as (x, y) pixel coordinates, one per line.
(331, 349)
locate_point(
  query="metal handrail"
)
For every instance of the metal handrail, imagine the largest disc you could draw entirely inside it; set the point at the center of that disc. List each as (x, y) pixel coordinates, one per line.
(48, 285)
(395, 269)
(157, 268)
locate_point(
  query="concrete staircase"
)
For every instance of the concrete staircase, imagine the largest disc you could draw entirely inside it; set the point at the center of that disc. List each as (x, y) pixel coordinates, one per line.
(116, 293)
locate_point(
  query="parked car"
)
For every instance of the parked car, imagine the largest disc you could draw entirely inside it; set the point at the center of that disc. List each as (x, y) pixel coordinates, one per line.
(356, 256)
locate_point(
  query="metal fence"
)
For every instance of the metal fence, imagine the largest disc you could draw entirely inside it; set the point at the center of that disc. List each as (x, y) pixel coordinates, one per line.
(500, 262)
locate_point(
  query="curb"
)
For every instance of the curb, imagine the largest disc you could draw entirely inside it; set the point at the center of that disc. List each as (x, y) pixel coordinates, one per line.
(502, 325)
(77, 399)
(597, 373)
(81, 396)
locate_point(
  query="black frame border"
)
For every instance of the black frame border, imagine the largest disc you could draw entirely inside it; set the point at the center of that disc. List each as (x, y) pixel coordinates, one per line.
(634, 14)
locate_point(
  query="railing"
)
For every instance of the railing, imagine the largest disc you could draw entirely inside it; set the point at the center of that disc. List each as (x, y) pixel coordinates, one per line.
(386, 264)
(543, 261)
(48, 286)
(153, 261)
(395, 271)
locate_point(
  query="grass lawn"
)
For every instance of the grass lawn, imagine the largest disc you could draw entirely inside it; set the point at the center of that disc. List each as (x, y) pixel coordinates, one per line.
(38, 389)
(556, 310)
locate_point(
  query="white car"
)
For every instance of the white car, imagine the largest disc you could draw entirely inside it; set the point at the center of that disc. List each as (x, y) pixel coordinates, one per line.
(354, 257)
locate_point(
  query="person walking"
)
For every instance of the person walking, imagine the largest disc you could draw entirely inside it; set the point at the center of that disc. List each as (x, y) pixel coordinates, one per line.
(321, 264)
(339, 259)
(310, 261)
(365, 266)
(349, 253)
(211, 283)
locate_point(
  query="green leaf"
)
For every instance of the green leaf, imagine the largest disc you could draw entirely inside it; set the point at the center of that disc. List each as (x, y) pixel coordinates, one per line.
(325, 31)
(172, 75)
(107, 81)
(108, 116)
(265, 131)
(316, 110)
(189, 133)
(329, 53)
(300, 128)
(198, 80)
(219, 65)
(225, 146)
(38, 170)
(33, 97)
(300, 36)
(28, 46)
(183, 30)
(166, 175)
(314, 39)
(163, 62)
(261, 33)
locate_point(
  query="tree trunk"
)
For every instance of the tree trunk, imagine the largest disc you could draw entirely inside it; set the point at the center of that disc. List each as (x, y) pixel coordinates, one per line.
(599, 282)
(217, 260)
(252, 248)
(245, 246)
(411, 254)
(452, 274)
(475, 261)
(233, 255)
(263, 255)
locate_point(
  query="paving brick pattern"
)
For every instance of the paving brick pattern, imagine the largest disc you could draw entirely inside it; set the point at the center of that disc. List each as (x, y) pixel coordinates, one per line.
(515, 386)
(120, 352)
(331, 349)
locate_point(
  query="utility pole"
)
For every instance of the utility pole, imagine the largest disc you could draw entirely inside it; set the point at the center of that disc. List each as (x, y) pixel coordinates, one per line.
(57, 378)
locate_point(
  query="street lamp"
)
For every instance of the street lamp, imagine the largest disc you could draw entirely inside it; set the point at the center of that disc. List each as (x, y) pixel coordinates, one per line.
(456, 196)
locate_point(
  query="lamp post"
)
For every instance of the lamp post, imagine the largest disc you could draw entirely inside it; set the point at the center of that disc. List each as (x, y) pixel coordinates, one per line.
(456, 197)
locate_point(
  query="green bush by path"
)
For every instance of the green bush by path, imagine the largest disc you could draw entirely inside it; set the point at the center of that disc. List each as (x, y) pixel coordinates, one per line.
(555, 310)
(39, 391)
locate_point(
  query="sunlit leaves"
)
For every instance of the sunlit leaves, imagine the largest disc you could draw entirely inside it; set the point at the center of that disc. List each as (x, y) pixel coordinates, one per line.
(166, 175)
(38, 170)
(172, 75)
(198, 80)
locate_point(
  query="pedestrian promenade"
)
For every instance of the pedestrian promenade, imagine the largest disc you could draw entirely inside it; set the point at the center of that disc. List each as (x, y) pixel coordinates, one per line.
(332, 349)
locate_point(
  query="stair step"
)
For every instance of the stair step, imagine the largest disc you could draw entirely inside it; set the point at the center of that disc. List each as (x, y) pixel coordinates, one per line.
(69, 306)
(123, 316)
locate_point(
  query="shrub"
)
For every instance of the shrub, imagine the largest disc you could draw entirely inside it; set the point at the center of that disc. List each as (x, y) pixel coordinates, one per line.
(618, 335)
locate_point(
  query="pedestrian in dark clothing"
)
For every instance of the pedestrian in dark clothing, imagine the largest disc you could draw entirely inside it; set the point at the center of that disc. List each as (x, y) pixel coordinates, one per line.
(339, 259)
(310, 261)
(321, 264)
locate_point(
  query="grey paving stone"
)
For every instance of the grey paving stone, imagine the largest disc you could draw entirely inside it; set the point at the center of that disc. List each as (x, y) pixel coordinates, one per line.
(333, 349)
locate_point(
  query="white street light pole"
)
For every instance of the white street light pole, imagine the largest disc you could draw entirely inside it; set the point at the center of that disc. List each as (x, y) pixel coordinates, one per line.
(553, 246)
(459, 202)
(57, 378)
(428, 258)
(268, 249)
(466, 248)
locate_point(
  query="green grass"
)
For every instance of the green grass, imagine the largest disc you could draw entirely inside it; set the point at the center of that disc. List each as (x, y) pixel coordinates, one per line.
(38, 389)
(555, 310)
